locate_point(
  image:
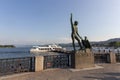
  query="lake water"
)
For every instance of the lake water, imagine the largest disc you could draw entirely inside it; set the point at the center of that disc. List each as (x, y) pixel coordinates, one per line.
(14, 52)
(21, 52)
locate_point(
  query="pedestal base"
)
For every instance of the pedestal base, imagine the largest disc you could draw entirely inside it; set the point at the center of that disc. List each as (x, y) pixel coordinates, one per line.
(82, 59)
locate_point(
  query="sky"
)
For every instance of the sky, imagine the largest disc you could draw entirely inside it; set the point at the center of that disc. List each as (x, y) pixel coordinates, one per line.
(48, 21)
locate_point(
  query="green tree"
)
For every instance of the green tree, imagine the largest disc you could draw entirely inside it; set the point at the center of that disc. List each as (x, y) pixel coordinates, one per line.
(114, 44)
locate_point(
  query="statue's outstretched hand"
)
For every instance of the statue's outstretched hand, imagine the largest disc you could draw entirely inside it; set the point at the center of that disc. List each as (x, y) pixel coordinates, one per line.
(71, 14)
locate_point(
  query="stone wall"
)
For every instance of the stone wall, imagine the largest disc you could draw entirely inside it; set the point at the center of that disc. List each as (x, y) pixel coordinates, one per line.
(80, 59)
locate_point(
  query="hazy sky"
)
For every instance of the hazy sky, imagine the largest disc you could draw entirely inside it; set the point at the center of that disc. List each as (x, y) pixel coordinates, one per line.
(47, 21)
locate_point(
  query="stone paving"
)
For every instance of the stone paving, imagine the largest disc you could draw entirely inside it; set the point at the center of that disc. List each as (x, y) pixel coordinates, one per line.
(109, 72)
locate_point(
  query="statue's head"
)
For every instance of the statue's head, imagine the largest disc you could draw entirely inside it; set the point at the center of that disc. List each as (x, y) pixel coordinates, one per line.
(85, 37)
(76, 23)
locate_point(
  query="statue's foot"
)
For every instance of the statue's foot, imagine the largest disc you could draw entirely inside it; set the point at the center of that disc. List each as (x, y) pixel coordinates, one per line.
(74, 50)
(81, 49)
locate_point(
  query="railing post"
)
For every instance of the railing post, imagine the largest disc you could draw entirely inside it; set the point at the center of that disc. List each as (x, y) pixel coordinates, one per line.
(39, 63)
(112, 58)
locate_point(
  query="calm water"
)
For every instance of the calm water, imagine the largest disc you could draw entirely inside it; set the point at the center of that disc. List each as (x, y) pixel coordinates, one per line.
(14, 52)
(21, 52)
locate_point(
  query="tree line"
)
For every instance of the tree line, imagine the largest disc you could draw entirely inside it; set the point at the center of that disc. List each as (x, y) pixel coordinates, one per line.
(114, 44)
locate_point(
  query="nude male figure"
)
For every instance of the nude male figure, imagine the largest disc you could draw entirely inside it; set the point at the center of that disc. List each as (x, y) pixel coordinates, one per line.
(74, 34)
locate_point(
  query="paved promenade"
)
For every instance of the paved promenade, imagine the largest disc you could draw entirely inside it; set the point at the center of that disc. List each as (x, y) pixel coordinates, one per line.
(109, 72)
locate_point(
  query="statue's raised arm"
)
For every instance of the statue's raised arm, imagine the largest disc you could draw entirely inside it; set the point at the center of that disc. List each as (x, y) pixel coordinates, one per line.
(71, 20)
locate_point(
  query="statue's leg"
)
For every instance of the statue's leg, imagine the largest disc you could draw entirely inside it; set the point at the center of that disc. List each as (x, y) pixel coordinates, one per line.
(74, 45)
(73, 42)
(84, 44)
(79, 42)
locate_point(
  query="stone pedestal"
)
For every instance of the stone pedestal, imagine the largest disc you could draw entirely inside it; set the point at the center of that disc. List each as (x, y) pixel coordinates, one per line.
(39, 62)
(82, 59)
(112, 58)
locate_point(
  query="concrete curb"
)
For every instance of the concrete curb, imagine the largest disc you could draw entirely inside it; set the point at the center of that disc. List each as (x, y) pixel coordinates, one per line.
(92, 68)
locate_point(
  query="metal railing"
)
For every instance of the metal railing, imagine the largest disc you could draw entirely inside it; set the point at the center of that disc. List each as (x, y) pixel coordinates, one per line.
(16, 65)
(117, 57)
(57, 61)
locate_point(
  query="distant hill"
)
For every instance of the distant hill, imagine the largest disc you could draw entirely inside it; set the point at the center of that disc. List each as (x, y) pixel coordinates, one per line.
(113, 39)
(97, 43)
(105, 43)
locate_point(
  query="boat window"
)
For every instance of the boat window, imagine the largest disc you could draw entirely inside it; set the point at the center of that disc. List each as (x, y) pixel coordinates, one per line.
(34, 48)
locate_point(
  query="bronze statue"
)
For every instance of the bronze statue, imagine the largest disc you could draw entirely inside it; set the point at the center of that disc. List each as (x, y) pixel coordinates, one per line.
(86, 43)
(74, 34)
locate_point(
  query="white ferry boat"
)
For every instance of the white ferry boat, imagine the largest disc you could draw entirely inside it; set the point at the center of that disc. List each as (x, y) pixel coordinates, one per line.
(47, 48)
